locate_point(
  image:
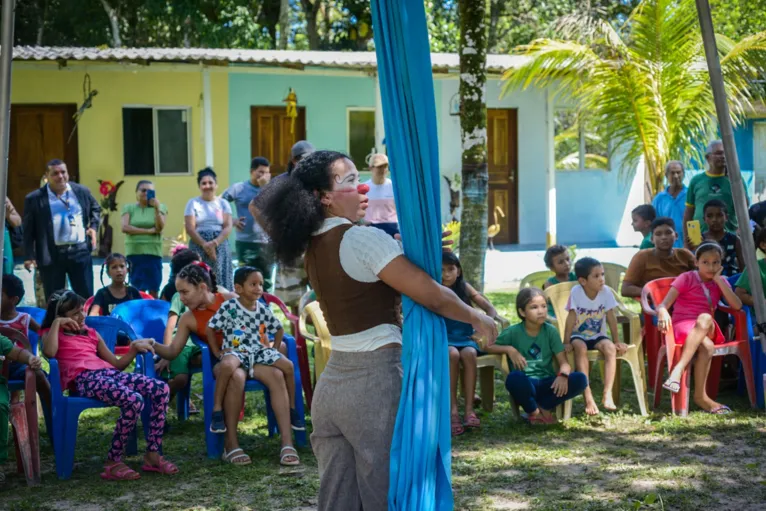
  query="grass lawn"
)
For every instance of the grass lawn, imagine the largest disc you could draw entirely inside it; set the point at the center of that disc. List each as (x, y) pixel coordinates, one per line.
(615, 461)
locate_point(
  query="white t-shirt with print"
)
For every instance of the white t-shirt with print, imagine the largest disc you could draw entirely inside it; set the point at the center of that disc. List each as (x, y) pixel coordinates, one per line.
(591, 314)
(208, 214)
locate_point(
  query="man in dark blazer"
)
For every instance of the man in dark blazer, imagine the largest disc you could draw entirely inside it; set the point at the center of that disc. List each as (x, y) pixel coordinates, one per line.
(60, 223)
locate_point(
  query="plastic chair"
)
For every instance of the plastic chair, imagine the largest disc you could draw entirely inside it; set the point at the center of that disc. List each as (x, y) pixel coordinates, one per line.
(669, 353)
(38, 315)
(486, 365)
(24, 415)
(321, 340)
(536, 279)
(652, 295)
(67, 409)
(214, 441)
(558, 296)
(613, 274)
(303, 352)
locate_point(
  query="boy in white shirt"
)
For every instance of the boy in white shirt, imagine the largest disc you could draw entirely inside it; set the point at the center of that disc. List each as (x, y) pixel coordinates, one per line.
(381, 210)
(591, 307)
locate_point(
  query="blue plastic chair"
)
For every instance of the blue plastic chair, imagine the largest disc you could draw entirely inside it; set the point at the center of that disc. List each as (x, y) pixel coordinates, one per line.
(67, 409)
(14, 385)
(38, 315)
(756, 355)
(214, 441)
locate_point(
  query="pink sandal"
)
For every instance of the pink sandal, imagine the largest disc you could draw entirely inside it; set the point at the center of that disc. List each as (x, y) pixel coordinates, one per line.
(165, 467)
(472, 421)
(456, 425)
(119, 472)
(542, 420)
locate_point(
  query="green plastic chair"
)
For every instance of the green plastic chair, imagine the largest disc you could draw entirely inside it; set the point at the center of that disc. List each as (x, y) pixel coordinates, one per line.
(536, 279)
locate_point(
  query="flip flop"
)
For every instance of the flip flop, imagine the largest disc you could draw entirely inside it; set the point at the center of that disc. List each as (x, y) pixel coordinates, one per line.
(165, 467)
(236, 459)
(291, 453)
(456, 425)
(672, 386)
(542, 420)
(119, 472)
(719, 410)
(472, 421)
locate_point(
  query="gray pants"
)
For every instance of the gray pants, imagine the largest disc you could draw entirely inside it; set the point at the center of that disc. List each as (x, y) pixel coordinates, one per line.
(353, 415)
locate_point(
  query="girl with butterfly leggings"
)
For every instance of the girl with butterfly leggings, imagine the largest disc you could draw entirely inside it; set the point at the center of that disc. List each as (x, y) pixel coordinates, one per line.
(694, 296)
(90, 368)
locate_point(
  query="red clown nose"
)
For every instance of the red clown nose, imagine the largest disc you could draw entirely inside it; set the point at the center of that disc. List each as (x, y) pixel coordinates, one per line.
(363, 189)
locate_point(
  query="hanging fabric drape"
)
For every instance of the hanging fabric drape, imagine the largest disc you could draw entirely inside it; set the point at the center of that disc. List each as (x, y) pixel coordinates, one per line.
(420, 450)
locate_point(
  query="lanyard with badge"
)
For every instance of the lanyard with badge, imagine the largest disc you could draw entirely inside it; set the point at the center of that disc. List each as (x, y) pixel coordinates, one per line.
(69, 216)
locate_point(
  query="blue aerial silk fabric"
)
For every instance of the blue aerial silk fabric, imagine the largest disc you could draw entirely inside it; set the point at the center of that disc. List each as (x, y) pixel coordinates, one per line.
(420, 450)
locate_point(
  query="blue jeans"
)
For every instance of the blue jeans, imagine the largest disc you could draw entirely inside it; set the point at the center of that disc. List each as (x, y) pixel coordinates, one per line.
(534, 393)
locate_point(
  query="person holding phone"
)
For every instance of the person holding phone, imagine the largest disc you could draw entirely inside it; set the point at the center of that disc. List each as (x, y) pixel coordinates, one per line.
(142, 223)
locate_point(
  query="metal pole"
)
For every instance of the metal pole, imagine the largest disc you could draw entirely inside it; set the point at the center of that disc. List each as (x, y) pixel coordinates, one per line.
(732, 164)
(6, 56)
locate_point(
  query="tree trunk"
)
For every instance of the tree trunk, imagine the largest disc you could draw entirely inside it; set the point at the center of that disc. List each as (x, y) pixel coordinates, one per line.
(311, 11)
(473, 130)
(114, 22)
(284, 23)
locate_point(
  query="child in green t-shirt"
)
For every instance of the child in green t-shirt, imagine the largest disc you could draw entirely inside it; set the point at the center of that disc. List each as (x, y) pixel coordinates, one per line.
(13, 352)
(558, 261)
(530, 347)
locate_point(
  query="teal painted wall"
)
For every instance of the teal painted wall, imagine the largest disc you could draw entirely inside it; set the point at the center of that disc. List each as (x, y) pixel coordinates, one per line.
(325, 98)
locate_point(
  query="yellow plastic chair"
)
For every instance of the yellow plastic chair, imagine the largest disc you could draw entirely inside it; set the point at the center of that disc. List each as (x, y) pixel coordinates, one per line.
(613, 274)
(558, 296)
(536, 279)
(321, 339)
(486, 365)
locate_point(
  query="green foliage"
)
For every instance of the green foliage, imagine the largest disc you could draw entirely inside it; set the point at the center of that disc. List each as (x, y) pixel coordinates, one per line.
(644, 83)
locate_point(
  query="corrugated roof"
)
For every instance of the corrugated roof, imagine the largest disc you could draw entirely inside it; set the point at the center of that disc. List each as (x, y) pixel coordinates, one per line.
(337, 59)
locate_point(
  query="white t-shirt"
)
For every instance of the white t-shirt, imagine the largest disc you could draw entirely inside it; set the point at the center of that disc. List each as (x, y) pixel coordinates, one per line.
(364, 252)
(381, 208)
(591, 314)
(209, 214)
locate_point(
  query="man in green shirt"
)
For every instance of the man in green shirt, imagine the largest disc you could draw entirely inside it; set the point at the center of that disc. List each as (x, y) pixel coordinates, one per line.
(8, 349)
(713, 184)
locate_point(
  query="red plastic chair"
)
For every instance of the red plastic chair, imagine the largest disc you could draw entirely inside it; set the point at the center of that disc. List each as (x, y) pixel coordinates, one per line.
(300, 342)
(24, 419)
(652, 295)
(670, 352)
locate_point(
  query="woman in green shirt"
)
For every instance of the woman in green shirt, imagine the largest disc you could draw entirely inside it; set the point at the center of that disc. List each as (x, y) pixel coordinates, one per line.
(142, 223)
(530, 347)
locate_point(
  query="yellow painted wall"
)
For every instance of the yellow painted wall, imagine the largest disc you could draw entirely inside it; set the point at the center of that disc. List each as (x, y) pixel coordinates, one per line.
(100, 130)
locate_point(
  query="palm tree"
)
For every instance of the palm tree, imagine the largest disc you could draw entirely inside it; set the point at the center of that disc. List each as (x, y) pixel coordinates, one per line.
(644, 84)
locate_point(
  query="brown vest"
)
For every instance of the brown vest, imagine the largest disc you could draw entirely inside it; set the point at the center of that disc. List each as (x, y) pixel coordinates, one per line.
(349, 306)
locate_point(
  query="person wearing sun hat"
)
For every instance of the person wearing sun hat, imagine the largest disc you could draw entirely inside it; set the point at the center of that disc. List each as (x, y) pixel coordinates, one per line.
(381, 212)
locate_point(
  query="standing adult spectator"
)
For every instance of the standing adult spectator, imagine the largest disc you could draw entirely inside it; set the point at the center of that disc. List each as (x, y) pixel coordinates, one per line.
(208, 223)
(13, 220)
(713, 184)
(671, 202)
(142, 223)
(60, 223)
(252, 243)
(292, 279)
(381, 211)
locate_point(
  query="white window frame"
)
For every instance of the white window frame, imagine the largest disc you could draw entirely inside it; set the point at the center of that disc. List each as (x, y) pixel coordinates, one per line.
(581, 147)
(156, 141)
(348, 122)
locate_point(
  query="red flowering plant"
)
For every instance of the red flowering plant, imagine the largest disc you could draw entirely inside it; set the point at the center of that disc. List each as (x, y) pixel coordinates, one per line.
(108, 194)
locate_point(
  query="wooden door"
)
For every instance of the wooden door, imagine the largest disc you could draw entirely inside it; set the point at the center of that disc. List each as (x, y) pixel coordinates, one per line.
(39, 133)
(503, 167)
(271, 136)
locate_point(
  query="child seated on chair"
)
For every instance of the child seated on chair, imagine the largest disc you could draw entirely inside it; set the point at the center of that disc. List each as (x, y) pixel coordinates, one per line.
(245, 321)
(13, 293)
(557, 260)
(18, 356)
(118, 291)
(694, 297)
(90, 368)
(463, 349)
(716, 216)
(742, 288)
(531, 347)
(591, 307)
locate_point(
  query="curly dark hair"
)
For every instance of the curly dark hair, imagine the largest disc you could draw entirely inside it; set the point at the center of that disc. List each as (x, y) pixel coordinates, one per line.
(290, 207)
(198, 273)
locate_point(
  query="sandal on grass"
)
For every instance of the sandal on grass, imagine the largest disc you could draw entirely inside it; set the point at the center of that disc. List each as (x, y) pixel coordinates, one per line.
(236, 457)
(719, 410)
(472, 421)
(542, 419)
(119, 472)
(165, 467)
(291, 453)
(672, 386)
(456, 425)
